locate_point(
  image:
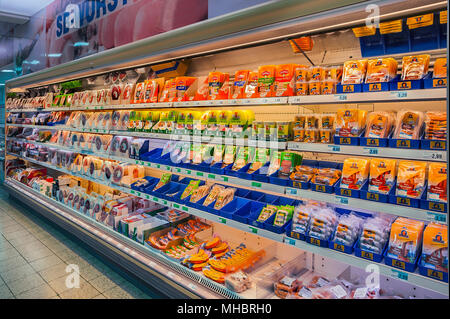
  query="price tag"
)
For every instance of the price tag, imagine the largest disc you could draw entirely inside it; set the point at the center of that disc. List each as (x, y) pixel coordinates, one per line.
(164, 202)
(200, 174)
(370, 151)
(147, 196)
(158, 166)
(338, 291)
(178, 170)
(360, 293)
(186, 209)
(289, 241)
(436, 217)
(341, 200)
(168, 168)
(401, 94)
(256, 184)
(176, 206)
(224, 178)
(138, 193)
(253, 229)
(291, 191)
(132, 191)
(155, 199)
(341, 97)
(399, 274)
(433, 155)
(212, 176)
(334, 148)
(188, 172)
(222, 220)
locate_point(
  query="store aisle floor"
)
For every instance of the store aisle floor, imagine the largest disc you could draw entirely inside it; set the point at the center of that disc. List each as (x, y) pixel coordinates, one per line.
(34, 255)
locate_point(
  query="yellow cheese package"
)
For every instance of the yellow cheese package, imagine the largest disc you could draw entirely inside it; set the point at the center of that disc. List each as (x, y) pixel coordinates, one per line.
(435, 247)
(354, 72)
(382, 175)
(411, 179)
(350, 122)
(381, 70)
(437, 182)
(354, 173)
(405, 239)
(379, 124)
(415, 67)
(409, 124)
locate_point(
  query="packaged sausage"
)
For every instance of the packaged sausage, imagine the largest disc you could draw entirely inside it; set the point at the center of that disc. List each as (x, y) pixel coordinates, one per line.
(415, 67)
(240, 82)
(284, 80)
(435, 247)
(350, 122)
(382, 175)
(266, 79)
(437, 182)
(354, 72)
(252, 89)
(411, 179)
(354, 173)
(182, 85)
(379, 124)
(405, 239)
(440, 68)
(151, 91)
(435, 125)
(219, 87)
(409, 124)
(381, 70)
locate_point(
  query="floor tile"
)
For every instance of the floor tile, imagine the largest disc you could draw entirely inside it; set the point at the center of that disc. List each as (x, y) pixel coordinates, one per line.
(117, 293)
(54, 272)
(5, 293)
(86, 291)
(46, 262)
(103, 283)
(90, 273)
(41, 292)
(36, 254)
(17, 273)
(59, 284)
(22, 285)
(11, 263)
(100, 297)
(8, 254)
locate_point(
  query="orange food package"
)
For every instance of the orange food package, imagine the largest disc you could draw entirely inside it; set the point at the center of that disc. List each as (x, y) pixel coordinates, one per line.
(440, 68)
(251, 89)
(266, 80)
(379, 124)
(202, 89)
(381, 70)
(415, 67)
(354, 72)
(437, 182)
(139, 93)
(239, 84)
(169, 92)
(182, 85)
(301, 74)
(151, 92)
(411, 179)
(219, 87)
(284, 80)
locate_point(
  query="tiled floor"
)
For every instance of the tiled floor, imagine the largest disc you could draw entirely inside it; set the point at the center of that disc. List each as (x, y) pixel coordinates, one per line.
(34, 256)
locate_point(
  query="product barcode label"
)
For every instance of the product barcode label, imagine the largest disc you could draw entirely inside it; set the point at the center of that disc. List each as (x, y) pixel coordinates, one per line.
(334, 148)
(370, 151)
(433, 155)
(289, 241)
(341, 200)
(341, 97)
(291, 191)
(436, 217)
(399, 274)
(253, 229)
(223, 220)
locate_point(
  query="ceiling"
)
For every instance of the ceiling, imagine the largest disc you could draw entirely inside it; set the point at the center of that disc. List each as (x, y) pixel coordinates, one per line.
(19, 11)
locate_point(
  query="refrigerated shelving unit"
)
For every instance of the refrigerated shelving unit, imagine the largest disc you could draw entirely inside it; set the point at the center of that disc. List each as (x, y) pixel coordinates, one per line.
(246, 38)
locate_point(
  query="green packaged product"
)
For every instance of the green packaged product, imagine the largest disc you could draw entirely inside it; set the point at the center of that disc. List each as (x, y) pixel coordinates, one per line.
(165, 179)
(260, 159)
(241, 158)
(229, 155)
(283, 215)
(288, 162)
(266, 213)
(275, 159)
(193, 185)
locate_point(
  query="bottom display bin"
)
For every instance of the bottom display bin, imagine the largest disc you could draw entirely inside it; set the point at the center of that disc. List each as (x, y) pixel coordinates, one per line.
(431, 272)
(400, 264)
(369, 255)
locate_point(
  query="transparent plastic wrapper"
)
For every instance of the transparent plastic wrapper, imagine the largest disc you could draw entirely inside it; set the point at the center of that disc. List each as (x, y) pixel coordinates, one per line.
(415, 67)
(411, 179)
(440, 68)
(354, 72)
(409, 124)
(379, 124)
(381, 70)
(375, 233)
(405, 248)
(435, 125)
(348, 229)
(322, 224)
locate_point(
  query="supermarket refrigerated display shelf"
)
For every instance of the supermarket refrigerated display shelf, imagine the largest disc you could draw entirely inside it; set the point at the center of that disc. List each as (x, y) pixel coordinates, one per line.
(278, 190)
(413, 278)
(384, 96)
(399, 153)
(190, 284)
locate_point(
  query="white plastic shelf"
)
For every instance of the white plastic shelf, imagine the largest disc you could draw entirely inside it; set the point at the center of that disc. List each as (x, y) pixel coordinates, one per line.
(385, 96)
